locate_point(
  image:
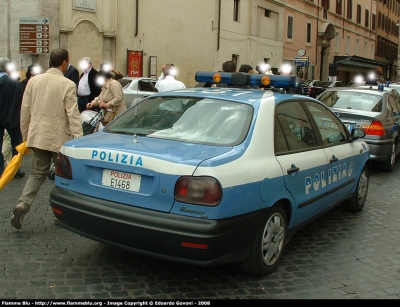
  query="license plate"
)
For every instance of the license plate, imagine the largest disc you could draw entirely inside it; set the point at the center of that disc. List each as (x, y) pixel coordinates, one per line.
(121, 180)
(349, 127)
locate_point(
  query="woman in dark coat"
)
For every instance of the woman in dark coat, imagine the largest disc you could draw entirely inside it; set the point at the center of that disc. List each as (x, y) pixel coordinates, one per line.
(10, 111)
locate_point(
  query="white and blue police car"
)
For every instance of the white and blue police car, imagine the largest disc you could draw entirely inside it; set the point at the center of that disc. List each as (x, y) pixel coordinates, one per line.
(209, 176)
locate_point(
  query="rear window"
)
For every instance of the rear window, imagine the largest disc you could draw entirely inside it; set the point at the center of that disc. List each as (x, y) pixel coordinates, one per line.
(196, 120)
(352, 100)
(124, 82)
(147, 85)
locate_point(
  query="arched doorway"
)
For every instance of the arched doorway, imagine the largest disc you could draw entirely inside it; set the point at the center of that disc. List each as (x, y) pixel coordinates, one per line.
(326, 32)
(85, 41)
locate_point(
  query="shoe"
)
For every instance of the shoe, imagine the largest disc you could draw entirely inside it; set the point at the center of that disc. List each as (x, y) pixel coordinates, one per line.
(56, 221)
(18, 217)
(19, 175)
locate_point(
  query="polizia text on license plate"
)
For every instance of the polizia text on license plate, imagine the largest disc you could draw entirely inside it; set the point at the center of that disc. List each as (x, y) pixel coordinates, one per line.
(121, 180)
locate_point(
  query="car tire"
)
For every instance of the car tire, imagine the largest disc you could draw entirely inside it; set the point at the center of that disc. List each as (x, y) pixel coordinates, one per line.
(268, 244)
(356, 203)
(388, 164)
(52, 175)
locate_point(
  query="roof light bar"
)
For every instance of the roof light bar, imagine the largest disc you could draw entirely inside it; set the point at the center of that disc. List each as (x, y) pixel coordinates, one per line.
(241, 79)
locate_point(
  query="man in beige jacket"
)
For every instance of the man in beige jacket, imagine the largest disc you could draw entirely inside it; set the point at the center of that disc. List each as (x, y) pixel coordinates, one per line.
(49, 118)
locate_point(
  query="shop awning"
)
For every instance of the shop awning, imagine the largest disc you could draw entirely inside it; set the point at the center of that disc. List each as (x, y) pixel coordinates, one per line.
(357, 61)
(349, 62)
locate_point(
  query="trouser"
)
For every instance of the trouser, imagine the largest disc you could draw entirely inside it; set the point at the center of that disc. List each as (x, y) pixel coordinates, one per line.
(16, 139)
(7, 149)
(82, 102)
(40, 162)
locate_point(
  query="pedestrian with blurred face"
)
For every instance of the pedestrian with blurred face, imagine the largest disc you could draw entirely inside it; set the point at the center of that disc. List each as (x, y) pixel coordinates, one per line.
(87, 87)
(111, 97)
(10, 110)
(107, 67)
(169, 82)
(246, 68)
(32, 71)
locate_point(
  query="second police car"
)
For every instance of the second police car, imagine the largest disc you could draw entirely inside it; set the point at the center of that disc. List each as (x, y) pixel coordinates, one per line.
(209, 176)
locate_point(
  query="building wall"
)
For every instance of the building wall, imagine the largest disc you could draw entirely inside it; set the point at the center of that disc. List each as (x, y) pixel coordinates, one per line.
(200, 35)
(193, 35)
(387, 41)
(303, 12)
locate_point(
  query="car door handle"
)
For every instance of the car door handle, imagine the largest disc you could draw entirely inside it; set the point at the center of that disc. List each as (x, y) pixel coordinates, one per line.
(292, 169)
(333, 159)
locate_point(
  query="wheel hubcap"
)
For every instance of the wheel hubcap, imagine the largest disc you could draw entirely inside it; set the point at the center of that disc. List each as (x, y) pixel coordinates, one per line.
(362, 188)
(273, 239)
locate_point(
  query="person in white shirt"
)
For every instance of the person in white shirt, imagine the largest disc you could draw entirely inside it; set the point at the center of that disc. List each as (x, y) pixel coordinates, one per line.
(167, 81)
(87, 87)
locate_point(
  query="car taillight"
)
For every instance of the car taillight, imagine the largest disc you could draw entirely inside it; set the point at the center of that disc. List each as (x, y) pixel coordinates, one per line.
(63, 167)
(204, 191)
(375, 128)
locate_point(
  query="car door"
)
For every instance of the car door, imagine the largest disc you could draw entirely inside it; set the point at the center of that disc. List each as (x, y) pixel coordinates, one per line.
(304, 165)
(340, 151)
(394, 110)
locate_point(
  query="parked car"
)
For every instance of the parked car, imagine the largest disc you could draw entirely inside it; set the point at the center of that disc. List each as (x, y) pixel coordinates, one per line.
(355, 83)
(334, 84)
(137, 88)
(316, 87)
(395, 87)
(209, 176)
(376, 112)
(381, 87)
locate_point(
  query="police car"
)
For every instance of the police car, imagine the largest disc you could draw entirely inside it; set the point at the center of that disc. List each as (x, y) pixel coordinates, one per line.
(210, 176)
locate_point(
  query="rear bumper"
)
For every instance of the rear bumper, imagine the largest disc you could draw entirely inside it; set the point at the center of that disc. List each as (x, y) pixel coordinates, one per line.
(154, 233)
(380, 149)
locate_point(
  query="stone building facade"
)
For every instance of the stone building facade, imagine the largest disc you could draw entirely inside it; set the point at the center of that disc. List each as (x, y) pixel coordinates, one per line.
(201, 35)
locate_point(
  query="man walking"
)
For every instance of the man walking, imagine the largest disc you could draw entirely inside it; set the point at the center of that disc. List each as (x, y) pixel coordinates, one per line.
(49, 118)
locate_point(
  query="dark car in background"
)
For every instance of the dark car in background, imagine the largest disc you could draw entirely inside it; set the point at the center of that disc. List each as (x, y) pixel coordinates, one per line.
(333, 84)
(376, 111)
(316, 88)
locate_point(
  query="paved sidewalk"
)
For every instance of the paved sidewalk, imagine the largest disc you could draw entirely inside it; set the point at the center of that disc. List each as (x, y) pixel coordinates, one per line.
(339, 256)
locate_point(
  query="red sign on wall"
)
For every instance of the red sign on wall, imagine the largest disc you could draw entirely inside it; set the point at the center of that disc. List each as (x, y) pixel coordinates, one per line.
(135, 63)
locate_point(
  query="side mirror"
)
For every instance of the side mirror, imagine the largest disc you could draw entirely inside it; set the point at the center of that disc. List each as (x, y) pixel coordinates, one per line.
(357, 133)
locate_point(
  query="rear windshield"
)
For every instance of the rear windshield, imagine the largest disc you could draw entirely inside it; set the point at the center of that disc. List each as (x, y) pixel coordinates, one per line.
(196, 120)
(352, 100)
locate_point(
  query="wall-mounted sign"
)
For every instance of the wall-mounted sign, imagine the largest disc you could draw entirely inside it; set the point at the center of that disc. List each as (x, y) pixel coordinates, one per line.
(153, 67)
(34, 35)
(85, 5)
(301, 61)
(135, 63)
